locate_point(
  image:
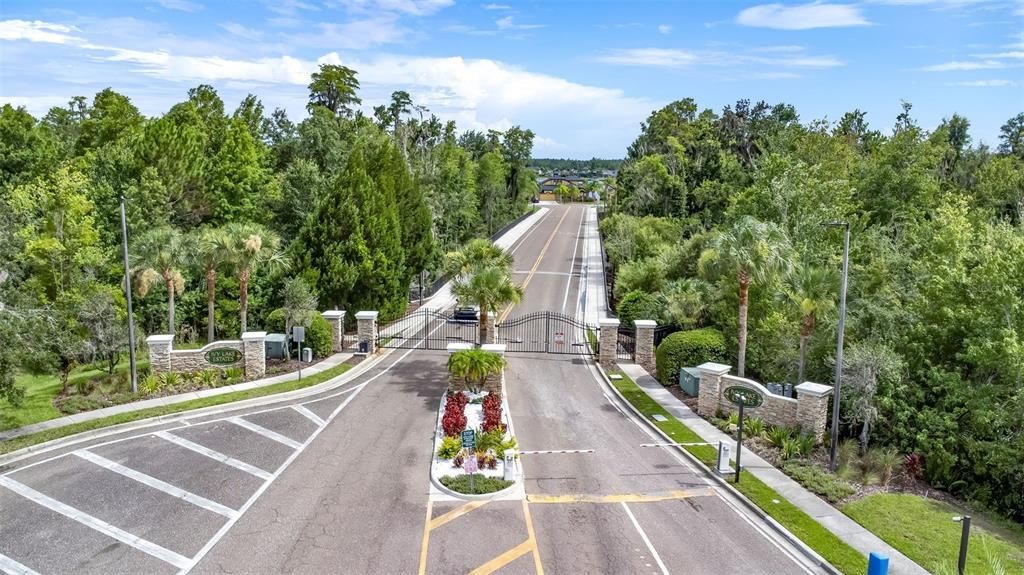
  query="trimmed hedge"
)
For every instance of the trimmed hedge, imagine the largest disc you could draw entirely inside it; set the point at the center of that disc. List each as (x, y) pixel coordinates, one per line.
(688, 348)
(638, 305)
(318, 331)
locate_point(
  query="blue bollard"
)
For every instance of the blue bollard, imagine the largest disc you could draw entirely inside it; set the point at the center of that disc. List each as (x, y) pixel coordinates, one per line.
(878, 564)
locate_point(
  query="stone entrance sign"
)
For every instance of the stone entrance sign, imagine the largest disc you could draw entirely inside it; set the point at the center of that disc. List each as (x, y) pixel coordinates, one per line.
(247, 353)
(223, 356)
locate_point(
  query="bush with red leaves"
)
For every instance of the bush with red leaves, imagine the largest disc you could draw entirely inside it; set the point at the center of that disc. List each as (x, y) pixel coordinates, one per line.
(454, 419)
(492, 413)
(913, 465)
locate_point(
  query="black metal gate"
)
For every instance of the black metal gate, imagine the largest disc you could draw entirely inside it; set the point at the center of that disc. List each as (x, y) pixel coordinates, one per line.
(547, 332)
(428, 329)
(625, 347)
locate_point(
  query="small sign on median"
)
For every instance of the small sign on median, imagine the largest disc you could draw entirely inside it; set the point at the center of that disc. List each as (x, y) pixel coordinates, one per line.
(469, 439)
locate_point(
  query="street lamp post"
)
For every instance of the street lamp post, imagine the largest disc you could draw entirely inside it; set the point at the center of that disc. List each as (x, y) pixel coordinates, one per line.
(834, 444)
(128, 297)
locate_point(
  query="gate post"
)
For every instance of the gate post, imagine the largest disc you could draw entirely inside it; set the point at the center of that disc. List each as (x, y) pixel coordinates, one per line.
(337, 320)
(491, 328)
(609, 341)
(367, 326)
(644, 354)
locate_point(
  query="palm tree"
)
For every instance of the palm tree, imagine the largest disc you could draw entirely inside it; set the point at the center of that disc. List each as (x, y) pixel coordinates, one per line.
(160, 255)
(754, 251)
(489, 287)
(476, 254)
(213, 253)
(252, 247)
(475, 365)
(812, 290)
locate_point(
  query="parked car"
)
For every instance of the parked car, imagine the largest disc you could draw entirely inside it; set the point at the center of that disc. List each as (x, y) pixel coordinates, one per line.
(466, 314)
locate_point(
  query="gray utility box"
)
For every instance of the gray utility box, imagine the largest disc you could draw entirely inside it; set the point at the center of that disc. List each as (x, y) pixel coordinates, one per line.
(276, 346)
(689, 381)
(307, 355)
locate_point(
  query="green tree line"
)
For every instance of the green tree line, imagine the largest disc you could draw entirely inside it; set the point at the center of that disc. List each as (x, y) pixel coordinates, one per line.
(224, 206)
(716, 221)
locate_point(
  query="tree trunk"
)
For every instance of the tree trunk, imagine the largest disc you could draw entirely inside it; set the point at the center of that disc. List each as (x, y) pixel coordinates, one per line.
(211, 293)
(864, 432)
(170, 304)
(744, 295)
(483, 324)
(243, 296)
(803, 354)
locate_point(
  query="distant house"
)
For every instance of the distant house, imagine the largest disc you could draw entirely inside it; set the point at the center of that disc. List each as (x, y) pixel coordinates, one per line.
(546, 187)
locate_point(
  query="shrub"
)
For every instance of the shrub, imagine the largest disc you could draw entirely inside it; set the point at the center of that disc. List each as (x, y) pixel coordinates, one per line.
(475, 366)
(453, 422)
(481, 483)
(778, 435)
(318, 336)
(274, 321)
(790, 448)
(819, 482)
(492, 414)
(208, 378)
(805, 444)
(169, 381)
(688, 348)
(149, 384)
(459, 459)
(913, 465)
(639, 305)
(753, 427)
(449, 448)
(73, 404)
(233, 374)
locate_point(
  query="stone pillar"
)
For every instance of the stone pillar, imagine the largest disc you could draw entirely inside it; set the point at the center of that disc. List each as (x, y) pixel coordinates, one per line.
(710, 387)
(254, 354)
(609, 342)
(493, 383)
(160, 353)
(645, 344)
(812, 408)
(337, 320)
(367, 327)
(456, 384)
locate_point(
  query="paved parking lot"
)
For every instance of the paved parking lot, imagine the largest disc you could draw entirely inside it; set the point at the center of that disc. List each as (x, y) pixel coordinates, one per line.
(154, 502)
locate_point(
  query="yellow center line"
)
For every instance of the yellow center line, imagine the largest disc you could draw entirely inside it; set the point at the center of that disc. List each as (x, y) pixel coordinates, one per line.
(504, 559)
(456, 513)
(536, 265)
(531, 538)
(426, 538)
(619, 498)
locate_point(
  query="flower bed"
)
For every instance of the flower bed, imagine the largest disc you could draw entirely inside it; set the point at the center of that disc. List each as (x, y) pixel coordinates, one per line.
(486, 414)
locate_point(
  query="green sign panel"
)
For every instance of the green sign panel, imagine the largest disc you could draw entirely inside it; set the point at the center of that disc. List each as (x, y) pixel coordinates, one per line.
(223, 356)
(743, 396)
(469, 439)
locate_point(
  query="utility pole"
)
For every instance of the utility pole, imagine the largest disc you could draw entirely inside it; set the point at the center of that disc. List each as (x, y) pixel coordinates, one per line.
(128, 296)
(833, 448)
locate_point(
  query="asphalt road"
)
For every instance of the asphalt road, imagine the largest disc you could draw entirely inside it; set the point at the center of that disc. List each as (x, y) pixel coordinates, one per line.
(338, 481)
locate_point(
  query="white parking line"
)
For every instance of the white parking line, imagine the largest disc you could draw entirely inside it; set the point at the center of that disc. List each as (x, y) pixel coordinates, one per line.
(155, 483)
(572, 262)
(12, 567)
(309, 414)
(250, 469)
(265, 432)
(161, 553)
(650, 547)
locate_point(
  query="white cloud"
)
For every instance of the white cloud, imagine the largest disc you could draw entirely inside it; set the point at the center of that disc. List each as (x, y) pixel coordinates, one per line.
(497, 7)
(351, 35)
(985, 83)
(776, 76)
(664, 29)
(1016, 55)
(180, 5)
(37, 31)
(802, 17)
(506, 23)
(412, 7)
(236, 29)
(960, 66)
(672, 58)
(661, 57)
(36, 105)
(289, 7)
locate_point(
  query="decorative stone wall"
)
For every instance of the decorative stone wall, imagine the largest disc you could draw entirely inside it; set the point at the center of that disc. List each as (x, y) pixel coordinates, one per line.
(251, 350)
(806, 412)
(493, 382)
(337, 320)
(609, 342)
(367, 328)
(645, 344)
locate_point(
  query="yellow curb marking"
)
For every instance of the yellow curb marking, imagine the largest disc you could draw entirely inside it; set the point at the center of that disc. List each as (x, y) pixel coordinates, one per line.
(531, 538)
(618, 498)
(504, 559)
(536, 265)
(426, 538)
(455, 514)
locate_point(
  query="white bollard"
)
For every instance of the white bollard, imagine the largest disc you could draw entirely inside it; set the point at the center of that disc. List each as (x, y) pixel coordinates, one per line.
(723, 458)
(510, 465)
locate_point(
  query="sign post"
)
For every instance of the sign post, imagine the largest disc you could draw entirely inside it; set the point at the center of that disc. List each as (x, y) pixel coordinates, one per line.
(299, 335)
(470, 463)
(743, 397)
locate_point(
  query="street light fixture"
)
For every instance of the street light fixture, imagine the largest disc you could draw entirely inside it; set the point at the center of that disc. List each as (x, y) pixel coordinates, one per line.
(965, 535)
(839, 345)
(128, 297)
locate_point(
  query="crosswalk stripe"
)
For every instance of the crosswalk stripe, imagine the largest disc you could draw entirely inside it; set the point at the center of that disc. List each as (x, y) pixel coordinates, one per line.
(265, 432)
(12, 567)
(201, 450)
(309, 414)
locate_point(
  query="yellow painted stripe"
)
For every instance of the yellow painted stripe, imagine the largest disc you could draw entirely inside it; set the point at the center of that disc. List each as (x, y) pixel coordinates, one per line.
(455, 514)
(532, 538)
(536, 265)
(618, 498)
(426, 539)
(504, 559)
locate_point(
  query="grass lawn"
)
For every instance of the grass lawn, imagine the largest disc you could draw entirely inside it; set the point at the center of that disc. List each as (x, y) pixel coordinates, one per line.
(923, 530)
(51, 434)
(824, 542)
(40, 391)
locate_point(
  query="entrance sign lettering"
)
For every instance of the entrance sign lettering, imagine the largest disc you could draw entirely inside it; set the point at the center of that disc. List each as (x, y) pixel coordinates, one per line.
(743, 396)
(223, 356)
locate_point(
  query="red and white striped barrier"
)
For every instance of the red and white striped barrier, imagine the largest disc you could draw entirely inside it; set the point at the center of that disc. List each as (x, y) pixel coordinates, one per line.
(547, 451)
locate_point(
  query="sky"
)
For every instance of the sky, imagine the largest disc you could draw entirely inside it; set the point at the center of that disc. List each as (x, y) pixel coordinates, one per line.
(582, 75)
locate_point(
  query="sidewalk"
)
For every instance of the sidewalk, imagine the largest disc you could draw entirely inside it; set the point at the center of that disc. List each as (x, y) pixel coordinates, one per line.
(313, 369)
(829, 517)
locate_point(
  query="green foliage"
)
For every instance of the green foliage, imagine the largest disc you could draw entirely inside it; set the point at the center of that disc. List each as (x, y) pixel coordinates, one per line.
(778, 435)
(639, 305)
(753, 427)
(688, 349)
(449, 448)
(818, 481)
(790, 448)
(475, 365)
(481, 483)
(318, 336)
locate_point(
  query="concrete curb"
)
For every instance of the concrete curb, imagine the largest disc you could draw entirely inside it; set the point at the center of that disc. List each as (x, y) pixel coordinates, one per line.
(336, 382)
(726, 486)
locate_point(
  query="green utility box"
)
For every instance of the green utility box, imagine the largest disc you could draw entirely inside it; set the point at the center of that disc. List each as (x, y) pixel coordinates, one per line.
(689, 381)
(276, 346)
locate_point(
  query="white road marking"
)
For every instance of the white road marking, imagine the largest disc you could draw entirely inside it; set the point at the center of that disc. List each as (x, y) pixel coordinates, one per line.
(650, 547)
(157, 484)
(572, 262)
(265, 432)
(201, 450)
(161, 553)
(12, 567)
(672, 444)
(309, 414)
(540, 273)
